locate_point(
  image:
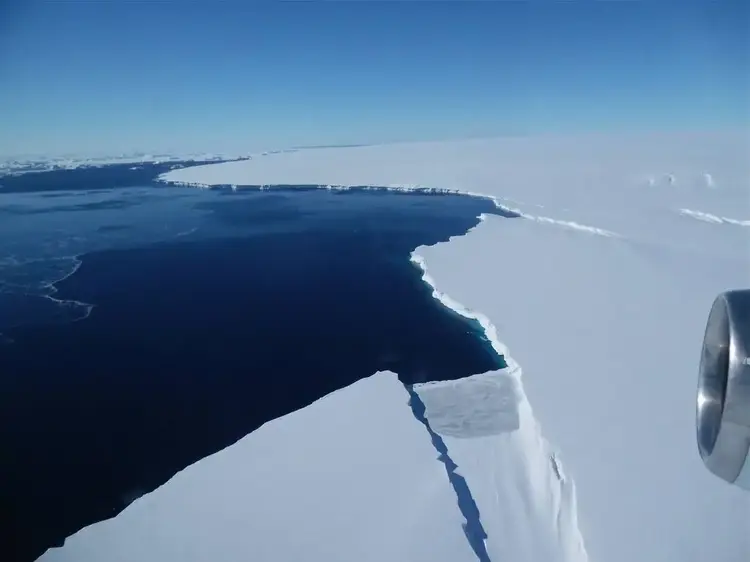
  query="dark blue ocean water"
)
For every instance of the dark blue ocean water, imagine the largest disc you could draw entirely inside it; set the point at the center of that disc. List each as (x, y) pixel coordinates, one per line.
(146, 327)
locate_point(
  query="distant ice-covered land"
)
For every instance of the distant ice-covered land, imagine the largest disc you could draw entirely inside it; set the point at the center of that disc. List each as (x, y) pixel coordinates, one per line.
(21, 164)
(583, 448)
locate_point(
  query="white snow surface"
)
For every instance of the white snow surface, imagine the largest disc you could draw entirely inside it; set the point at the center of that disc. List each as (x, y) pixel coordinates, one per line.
(352, 477)
(600, 293)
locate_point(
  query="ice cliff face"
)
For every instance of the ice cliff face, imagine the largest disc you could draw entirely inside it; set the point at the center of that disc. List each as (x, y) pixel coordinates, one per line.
(525, 506)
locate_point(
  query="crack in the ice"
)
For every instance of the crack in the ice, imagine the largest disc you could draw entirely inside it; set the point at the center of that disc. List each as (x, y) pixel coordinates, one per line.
(473, 529)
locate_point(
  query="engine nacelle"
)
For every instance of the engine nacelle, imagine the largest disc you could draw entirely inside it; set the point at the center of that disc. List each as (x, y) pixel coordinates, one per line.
(723, 401)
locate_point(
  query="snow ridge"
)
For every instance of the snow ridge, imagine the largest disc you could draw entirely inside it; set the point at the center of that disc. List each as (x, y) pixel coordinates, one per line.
(708, 217)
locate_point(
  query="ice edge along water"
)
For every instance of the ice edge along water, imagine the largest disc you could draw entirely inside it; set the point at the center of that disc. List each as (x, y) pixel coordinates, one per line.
(555, 493)
(416, 188)
(543, 492)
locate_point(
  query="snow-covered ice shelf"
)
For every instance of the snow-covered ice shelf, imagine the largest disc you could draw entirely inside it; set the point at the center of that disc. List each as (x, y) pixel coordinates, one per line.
(337, 481)
(601, 296)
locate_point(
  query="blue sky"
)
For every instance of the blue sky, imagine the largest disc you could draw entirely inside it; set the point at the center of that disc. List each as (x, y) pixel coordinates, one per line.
(206, 75)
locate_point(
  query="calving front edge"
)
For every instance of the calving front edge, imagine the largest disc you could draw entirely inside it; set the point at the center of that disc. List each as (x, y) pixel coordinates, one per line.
(526, 503)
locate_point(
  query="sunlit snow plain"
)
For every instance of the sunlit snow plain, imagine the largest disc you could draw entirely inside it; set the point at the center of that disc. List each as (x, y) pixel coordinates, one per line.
(582, 449)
